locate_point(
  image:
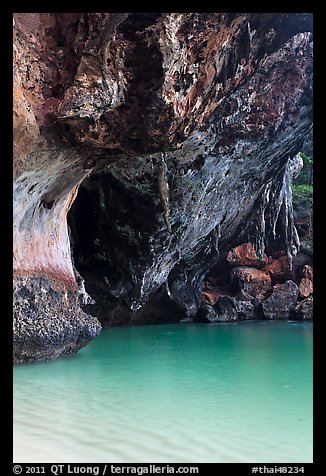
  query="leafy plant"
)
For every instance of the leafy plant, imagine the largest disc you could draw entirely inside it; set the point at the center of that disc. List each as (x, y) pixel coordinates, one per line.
(302, 195)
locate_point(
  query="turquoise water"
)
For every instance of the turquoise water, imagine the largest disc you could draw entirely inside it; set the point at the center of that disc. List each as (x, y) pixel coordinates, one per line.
(239, 392)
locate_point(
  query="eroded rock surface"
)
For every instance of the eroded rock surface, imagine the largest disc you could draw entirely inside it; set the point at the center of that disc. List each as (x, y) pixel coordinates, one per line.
(304, 309)
(48, 320)
(177, 131)
(281, 303)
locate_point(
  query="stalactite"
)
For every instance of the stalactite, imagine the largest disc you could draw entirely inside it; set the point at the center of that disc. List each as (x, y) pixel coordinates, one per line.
(275, 211)
(164, 189)
(290, 233)
(260, 227)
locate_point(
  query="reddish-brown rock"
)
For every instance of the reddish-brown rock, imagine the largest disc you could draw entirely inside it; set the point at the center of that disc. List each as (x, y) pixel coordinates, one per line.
(213, 295)
(214, 288)
(283, 299)
(245, 255)
(253, 281)
(279, 270)
(305, 288)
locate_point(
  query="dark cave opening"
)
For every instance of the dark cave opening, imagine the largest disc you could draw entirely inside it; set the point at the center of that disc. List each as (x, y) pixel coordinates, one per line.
(110, 261)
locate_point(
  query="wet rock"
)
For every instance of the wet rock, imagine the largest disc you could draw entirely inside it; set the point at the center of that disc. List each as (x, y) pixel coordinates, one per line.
(305, 288)
(245, 255)
(205, 314)
(283, 299)
(245, 309)
(253, 281)
(303, 310)
(229, 308)
(48, 321)
(187, 320)
(225, 310)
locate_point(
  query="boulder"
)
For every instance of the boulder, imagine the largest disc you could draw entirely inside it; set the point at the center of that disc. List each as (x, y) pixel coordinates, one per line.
(242, 295)
(283, 299)
(303, 310)
(229, 308)
(205, 314)
(245, 309)
(253, 281)
(225, 309)
(245, 255)
(305, 288)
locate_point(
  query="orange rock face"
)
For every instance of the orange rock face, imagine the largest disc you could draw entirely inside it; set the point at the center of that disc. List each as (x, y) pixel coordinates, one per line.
(245, 255)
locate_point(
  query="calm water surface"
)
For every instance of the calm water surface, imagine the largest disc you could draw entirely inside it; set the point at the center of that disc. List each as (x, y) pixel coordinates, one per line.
(171, 393)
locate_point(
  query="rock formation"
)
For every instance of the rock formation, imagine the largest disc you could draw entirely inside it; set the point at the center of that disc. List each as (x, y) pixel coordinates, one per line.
(176, 130)
(253, 288)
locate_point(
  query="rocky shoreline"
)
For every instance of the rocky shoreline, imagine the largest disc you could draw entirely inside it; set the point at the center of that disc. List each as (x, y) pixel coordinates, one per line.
(253, 288)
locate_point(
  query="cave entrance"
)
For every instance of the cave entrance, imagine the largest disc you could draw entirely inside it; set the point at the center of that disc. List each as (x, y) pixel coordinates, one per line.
(110, 225)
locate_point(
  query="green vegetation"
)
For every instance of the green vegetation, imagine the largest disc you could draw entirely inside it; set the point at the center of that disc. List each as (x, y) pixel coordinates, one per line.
(302, 195)
(305, 176)
(302, 185)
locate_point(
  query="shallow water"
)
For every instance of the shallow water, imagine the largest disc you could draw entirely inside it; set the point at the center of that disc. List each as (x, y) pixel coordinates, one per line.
(238, 392)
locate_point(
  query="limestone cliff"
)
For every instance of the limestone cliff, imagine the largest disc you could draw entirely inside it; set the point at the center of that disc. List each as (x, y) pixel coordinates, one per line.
(177, 130)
